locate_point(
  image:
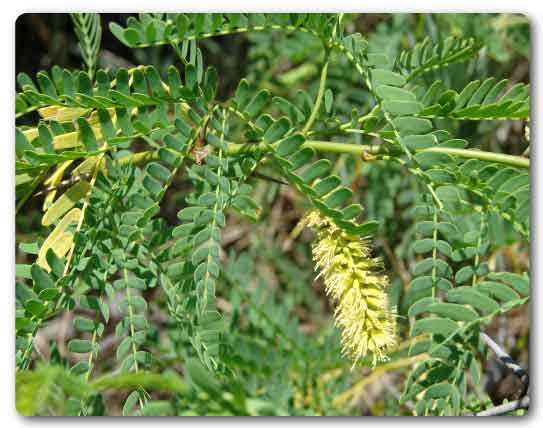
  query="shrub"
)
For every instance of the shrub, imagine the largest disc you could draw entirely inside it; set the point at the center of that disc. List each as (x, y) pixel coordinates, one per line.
(200, 325)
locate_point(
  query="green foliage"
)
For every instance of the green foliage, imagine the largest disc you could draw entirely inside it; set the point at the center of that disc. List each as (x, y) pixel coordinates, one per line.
(478, 100)
(426, 56)
(202, 327)
(452, 315)
(89, 33)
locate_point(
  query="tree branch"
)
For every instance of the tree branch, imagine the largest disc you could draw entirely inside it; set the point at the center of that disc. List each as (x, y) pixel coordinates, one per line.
(505, 359)
(523, 403)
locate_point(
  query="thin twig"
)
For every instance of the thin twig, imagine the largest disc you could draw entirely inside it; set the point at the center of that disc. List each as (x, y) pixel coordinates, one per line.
(507, 361)
(63, 184)
(523, 403)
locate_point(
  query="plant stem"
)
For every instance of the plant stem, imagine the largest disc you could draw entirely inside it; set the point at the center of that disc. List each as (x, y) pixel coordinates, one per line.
(320, 146)
(353, 149)
(358, 150)
(320, 95)
(229, 31)
(348, 148)
(511, 160)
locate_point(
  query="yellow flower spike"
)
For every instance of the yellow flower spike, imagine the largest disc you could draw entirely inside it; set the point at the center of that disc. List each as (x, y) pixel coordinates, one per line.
(358, 290)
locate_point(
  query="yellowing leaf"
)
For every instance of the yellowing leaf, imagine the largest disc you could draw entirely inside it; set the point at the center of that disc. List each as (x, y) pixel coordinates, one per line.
(59, 240)
(53, 180)
(67, 201)
(67, 141)
(63, 141)
(31, 134)
(85, 167)
(48, 112)
(61, 114)
(70, 140)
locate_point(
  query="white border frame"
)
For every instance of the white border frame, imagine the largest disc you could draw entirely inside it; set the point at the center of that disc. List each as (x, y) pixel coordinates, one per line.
(10, 12)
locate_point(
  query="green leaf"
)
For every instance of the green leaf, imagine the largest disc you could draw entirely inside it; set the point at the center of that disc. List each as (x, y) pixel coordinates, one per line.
(42, 280)
(481, 92)
(518, 282)
(277, 130)
(83, 324)
(290, 145)
(175, 142)
(257, 103)
(444, 390)
(377, 60)
(402, 108)
(326, 185)
(131, 36)
(394, 94)
(201, 378)
(45, 138)
(21, 143)
(130, 403)
(453, 311)
(497, 290)
(189, 213)
(241, 97)
(191, 76)
(423, 245)
(244, 203)
(338, 197)
(419, 142)
(158, 171)
(23, 271)
(328, 100)
(412, 125)
(387, 77)
(421, 305)
(35, 307)
(466, 94)
(425, 266)
(124, 348)
(46, 85)
(366, 229)
(316, 170)
(66, 202)
(438, 176)
(181, 24)
(464, 275)
(153, 186)
(441, 326)
(136, 283)
(301, 157)
(24, 80)
(80, 346)
(470, 296)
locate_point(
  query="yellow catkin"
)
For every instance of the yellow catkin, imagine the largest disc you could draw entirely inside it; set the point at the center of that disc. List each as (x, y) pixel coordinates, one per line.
(357, 288)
